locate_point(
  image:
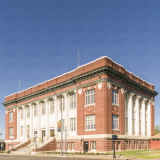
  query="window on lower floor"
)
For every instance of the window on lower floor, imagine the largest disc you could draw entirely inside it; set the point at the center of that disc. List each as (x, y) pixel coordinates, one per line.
(58, 145)
(126, 125)
(139, 127)
(90, 122)
(68, 145)
(93, 145)
(11, 132)
(28, 130)
(72, 124)
(118, 145)
(11, 116)
(52, 132)
(114, 121)
(72, 145)
(133, 126)
(21, 130)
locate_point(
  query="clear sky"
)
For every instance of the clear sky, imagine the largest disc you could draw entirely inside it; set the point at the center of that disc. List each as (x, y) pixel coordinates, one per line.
(40, 40)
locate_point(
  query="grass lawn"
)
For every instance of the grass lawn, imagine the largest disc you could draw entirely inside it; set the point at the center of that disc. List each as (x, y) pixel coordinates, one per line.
(146, 153)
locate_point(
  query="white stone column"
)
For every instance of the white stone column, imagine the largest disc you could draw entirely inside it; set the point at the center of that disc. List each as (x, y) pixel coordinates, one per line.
(130, 114)
(65, 111)
(31, 120)
(39, 122)
(47, 119)
(137, 116)
(56, 114)
(18, 123)
(149, 119)
(24, 122)
(143, 117)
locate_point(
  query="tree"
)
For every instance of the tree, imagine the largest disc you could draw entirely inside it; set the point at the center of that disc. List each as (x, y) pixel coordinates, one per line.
(156, 129)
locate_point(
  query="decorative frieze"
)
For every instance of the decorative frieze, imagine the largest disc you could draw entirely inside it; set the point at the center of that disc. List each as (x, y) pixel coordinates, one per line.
(109, 85)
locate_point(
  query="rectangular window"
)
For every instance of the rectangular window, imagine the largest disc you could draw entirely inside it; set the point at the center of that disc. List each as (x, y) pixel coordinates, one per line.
(21, 130)
(118, 145)
(90, 97)
(58, 145)
(115, 122)
(28, 130)
(126, 102)
(43, 108)
(93, 145)
(62, 102)
(52, 106)
(28, 112)
(72, 101)
(72, 124)
(72, 145)
(11, 132)
(133, 126)
(52, 133)
(35, 110)
(90, 122)
(115, 97)
(11, 116)
(22, 113)
(68, 145)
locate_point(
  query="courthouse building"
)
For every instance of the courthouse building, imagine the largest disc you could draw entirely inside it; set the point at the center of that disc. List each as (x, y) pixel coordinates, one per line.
(98, 99)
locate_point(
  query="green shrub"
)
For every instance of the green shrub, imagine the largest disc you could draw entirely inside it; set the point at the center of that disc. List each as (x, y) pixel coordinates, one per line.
(97, 153)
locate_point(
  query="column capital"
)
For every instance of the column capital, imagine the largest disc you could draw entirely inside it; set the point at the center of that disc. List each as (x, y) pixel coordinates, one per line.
(131, 94)
(138, 97)
(144, 100)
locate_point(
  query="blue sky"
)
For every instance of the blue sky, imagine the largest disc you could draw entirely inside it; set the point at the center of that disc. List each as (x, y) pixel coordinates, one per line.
(40, 40)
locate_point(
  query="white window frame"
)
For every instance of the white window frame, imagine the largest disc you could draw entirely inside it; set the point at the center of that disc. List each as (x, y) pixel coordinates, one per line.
(115, 120)
(90, 97)
(73, 101)
(28, 130)
(35, 110)
(72, 143)
(28, 112)
(63, 104)
(10, 116)
(72, 124)
(21, 131)
(43, 108)
(51, 102)
(10, 131)
(68, 146)
(93, 145)
(21, 113)
(114, 97)
(90, 122)
(53, 132)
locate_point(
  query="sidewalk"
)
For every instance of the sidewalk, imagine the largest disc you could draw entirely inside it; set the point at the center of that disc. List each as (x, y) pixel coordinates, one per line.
(69, 156)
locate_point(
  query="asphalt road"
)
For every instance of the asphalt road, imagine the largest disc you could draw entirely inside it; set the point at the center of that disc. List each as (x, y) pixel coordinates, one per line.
(19, 157)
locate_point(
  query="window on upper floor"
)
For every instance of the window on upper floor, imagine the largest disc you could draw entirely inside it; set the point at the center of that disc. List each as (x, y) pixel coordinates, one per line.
(115, 121)
(35, 110)
(90, 122)
(114, 97)
(72, 124)
(126, 102)
(72, 101)
(43, 108)
(90, 97)
(62, 104)
(52, 106)
(11, 116)
(22, 113)
(28, 112)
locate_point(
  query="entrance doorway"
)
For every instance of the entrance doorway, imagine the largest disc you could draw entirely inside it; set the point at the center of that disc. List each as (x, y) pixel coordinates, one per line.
(43, 135)
(85, 146)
